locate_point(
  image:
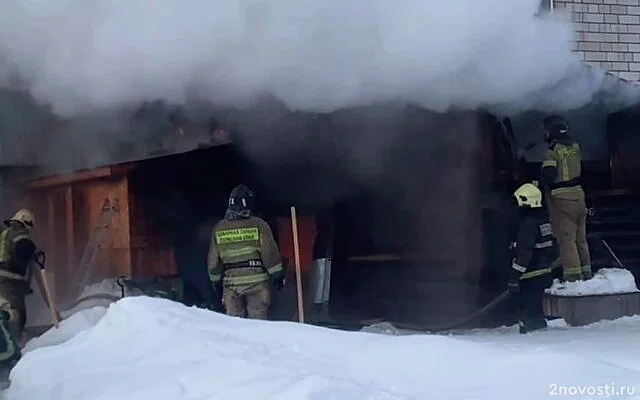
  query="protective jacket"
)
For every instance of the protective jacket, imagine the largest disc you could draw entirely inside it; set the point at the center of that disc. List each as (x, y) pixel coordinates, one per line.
(536, 247)
(561, 169)
(243, 252)
(16, 252)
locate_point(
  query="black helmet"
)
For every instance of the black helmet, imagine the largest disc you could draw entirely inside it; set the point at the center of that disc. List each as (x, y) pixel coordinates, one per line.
(554, 127)
(241, 199)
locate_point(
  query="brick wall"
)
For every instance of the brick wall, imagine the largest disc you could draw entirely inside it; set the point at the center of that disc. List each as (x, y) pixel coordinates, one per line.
(607, 33)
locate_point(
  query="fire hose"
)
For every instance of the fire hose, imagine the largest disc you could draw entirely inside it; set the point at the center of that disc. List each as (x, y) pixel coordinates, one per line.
(451, 326)
(500, 299)
(497, 301)
(459, 323)
(111, 298)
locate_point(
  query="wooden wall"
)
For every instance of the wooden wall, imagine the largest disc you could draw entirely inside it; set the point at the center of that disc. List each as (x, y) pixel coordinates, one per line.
(306, 239)
(66, 214)
(151, 251)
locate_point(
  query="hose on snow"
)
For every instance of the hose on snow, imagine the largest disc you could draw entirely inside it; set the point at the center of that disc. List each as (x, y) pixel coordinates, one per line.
(459, 323)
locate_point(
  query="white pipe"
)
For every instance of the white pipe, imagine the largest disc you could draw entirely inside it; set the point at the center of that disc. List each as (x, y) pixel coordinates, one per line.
(551, 5)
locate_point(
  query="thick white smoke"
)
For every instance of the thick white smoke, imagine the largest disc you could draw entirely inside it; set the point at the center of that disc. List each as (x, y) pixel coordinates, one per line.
(315, 55)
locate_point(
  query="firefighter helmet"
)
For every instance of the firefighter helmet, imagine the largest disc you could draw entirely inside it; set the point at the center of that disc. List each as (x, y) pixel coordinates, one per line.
(528, 195)
(554, 127)
(23, 216)
(241, 198)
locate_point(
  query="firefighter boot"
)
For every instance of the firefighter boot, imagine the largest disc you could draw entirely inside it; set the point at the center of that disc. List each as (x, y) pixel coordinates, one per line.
(572, 274)
(532, 325)
(586, 272)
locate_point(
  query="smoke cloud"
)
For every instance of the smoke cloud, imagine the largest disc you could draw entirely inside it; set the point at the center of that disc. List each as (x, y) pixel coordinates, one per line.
(313, 55)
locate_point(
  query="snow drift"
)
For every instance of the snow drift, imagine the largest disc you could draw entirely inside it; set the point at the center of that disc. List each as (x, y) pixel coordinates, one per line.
(149, 348)
(314, 55)
(605, 281)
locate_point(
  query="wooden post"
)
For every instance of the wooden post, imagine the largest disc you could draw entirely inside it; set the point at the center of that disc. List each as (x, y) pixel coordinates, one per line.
(296, 252)
(71, 249)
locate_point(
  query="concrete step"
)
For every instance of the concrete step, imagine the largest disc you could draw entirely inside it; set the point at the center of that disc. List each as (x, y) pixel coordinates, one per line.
(624, 246)
(610, 262)
(584, 310)
(623, 235)
(630, 212)
(611, 197)
(614, 224)
(627, 253)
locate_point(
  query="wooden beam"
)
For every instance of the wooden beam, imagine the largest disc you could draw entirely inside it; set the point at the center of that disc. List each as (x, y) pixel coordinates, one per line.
(51, 230)
(71, 257)
(97, 173)
(124, 168)
(57, 180)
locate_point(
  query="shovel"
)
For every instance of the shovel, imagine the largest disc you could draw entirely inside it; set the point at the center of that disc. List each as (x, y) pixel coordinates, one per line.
(40, 260)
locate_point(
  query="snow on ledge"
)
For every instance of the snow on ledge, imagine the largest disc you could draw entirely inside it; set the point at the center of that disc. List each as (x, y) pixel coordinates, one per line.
(605, 281)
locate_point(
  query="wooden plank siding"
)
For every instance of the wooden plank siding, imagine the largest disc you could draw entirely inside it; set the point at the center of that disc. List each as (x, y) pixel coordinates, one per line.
(151, 250)
(66, 215)
(67, 211)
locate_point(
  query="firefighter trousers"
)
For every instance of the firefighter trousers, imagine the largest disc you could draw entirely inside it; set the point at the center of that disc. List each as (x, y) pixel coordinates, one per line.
(12, 318)
(9, 347)
(252, 301)
(568, 218)
(531, 312)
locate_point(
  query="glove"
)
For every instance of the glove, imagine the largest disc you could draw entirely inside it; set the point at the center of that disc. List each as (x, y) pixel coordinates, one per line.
(279, 283)
(39, 258)
(514, 282)
(513, 286)
(217, 299)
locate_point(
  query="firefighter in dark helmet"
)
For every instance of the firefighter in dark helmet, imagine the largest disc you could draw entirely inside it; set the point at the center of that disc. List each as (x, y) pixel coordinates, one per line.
(17, 251)
(244, 259)
(535, 250)
(560, 178)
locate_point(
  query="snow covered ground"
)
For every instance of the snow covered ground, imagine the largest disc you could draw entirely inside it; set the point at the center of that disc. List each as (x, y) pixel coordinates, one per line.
(148, 348)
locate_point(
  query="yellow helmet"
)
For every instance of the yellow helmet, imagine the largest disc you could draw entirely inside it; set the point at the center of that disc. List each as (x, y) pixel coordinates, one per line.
(25, 216)
(528, 195)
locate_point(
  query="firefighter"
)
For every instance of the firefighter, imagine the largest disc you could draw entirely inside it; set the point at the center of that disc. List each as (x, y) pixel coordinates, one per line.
(560, 178)
(244, 260)
(17, 251)
(535, 250)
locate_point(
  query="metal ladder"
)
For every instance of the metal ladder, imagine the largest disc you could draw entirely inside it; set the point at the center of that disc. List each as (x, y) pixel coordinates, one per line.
(96, 240)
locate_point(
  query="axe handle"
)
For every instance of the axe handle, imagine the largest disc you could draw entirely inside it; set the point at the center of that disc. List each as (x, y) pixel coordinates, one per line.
(47, 292)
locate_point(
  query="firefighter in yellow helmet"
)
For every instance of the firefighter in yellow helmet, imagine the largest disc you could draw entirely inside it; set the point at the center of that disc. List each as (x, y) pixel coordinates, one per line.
(565, 198)
(17, 251)
(244, 259)
(535, 250)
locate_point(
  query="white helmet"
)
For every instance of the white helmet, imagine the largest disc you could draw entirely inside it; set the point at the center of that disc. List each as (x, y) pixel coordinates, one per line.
(528, 195)
(24, 216)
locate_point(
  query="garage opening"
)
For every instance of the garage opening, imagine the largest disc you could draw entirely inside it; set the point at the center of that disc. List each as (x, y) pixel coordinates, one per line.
(174, 203)
(403, 235)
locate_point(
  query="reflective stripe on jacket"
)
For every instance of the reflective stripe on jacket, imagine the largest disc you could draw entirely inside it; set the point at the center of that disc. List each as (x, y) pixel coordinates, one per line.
(566, 159)
(243, 252)
(536, 248)
(10, 267)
